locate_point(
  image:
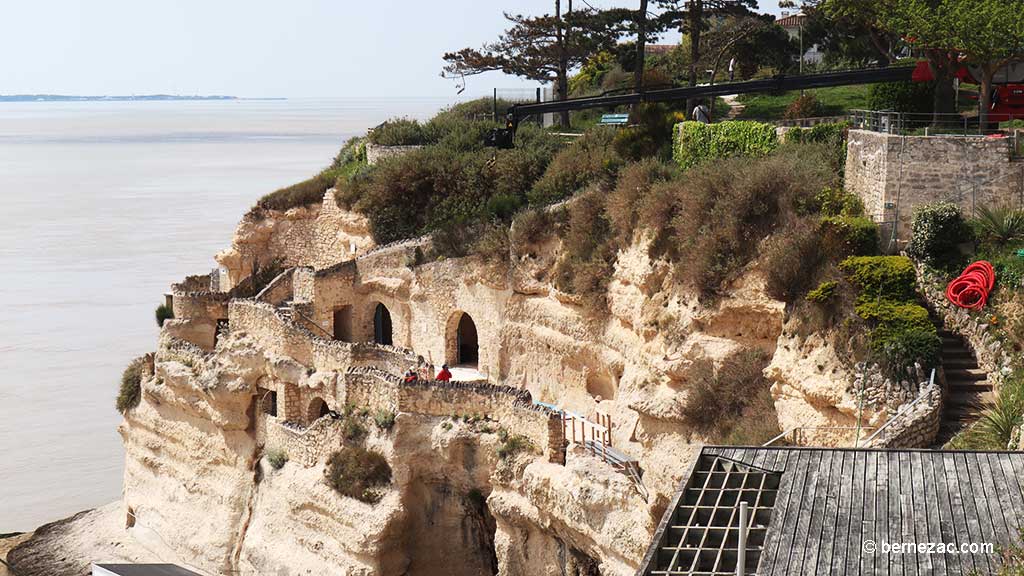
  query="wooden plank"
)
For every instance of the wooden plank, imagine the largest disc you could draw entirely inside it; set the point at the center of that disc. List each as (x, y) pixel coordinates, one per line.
(993, 525)
(815, 531)
(894, 529)
(806, 514)
(879, 562)
(1000, 495)
(947, 534)
(978, 523)
(961, 524)
(774, 532)
(1015, 509)
(923, 513)
(930, 509)
(797, 471)
(833, 532)
(855, 556)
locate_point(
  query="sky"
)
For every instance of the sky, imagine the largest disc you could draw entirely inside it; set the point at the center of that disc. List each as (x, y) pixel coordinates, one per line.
(251, 48)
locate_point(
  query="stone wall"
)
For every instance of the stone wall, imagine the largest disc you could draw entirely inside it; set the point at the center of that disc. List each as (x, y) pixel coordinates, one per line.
(375, 152)
(278, 290)
(917, 425)
(893, 174)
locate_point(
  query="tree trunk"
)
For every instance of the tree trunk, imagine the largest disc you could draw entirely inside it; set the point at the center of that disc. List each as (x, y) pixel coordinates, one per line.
(694, 18)
(985, 97)
(562, 76)
(641, 40)
(943, 95)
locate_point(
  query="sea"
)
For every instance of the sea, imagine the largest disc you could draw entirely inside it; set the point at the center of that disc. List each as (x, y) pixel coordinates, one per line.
(102, 206)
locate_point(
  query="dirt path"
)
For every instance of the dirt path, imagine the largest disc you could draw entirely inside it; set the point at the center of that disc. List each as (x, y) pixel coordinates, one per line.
(735, 108)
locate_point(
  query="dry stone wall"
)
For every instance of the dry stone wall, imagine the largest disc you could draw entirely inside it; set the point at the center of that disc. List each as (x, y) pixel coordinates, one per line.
(893, 174)
(375, 152)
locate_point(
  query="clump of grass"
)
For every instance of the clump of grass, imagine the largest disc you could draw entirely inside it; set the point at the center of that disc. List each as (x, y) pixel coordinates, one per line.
(511, 444)
(277, 458)
(130, 393)
(384, 419)
(356, 472)
(353, 430)
(163, 314)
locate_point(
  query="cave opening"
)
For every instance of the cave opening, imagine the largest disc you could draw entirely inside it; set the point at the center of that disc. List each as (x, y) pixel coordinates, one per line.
(449, 532)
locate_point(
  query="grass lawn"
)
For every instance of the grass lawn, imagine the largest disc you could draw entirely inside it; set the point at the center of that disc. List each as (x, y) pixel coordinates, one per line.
(835, 101)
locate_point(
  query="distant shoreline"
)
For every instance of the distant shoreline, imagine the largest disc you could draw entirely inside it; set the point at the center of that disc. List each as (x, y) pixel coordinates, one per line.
(135, 98)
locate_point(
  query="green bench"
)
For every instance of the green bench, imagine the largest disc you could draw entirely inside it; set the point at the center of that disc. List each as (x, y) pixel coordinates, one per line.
(614, 120)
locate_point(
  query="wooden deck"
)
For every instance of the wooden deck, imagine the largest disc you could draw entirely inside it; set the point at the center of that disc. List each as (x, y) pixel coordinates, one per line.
(831, 502)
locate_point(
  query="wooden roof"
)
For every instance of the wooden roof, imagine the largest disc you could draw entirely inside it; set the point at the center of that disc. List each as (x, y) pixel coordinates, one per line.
(830, 502)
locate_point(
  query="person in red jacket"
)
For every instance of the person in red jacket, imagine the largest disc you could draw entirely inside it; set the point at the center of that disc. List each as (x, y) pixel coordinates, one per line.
(444, 375)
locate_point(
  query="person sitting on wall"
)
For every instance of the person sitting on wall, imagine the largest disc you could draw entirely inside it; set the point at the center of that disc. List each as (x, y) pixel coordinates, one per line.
(445, 375)
(411, 376)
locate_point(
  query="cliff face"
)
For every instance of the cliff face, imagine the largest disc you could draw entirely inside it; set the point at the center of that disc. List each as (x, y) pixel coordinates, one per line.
(265, 372)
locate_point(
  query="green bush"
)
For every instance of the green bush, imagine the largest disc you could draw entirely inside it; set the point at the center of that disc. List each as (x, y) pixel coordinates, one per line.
(649, 136)
(163, 314)
(823, 293)
(901, 332)
(696, 142)
(590, 159)
(1000, 225)
(398, 132)
(277, 458)
(130, 393)
(881, 277)
(824, 133)
(937, 231)
(849, 236)
(355, 472)
(384, 419)
(833, 201)
(353, 430)
(911, 97)
(304, 193)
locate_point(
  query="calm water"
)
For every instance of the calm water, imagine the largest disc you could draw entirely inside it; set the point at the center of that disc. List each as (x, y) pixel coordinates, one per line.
(104, 205)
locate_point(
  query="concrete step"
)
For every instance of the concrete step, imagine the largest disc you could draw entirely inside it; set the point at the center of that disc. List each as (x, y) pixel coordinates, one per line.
(958, 375)
(968, 399)
(975, 387)
(956, 352)
(965, 361)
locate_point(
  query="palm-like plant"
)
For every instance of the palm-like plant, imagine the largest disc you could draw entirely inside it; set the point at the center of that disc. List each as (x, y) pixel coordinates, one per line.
(1000, 224)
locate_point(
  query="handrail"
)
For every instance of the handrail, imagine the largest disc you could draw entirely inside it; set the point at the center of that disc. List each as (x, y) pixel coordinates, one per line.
(904, 412)
(796, 429)
(311, 322)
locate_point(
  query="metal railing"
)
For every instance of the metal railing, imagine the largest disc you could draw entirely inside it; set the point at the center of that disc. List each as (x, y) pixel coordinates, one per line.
(798, 435)
(921, 124)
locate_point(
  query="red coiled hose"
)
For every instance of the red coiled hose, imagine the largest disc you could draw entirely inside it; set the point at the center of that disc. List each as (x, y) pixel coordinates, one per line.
(970, 289)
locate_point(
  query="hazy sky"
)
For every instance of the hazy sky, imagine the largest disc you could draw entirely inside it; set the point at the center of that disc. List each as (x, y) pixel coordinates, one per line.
(290, 48)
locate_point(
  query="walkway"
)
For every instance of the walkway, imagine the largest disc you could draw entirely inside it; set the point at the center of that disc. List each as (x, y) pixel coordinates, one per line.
(967, 390)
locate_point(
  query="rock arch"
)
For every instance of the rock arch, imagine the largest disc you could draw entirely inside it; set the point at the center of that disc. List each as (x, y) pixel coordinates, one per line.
(317, 409)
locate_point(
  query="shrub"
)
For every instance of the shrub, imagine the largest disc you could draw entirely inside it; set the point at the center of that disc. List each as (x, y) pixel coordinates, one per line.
(937, 231)
(632, 189)
(805, 105)
(831, 134)
(130, 393)
(823, 293)
(355, 472)
(650, 135)
(352, 430)
(716, 404)
(511, 444)
(588, 256)
(849, 236)
(999, 225)
(912, 97)
(277, 458)
(384, 419)
(492, 245)
(163, 314)
(881, 277)
(304, 193)
(791, 259)
(590, 159)
(398, 132)
(833, 201)
(696, 142)
(530, 225)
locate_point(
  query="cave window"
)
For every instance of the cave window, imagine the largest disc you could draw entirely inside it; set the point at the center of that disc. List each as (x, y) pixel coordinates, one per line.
(317, 409)
(268, 401)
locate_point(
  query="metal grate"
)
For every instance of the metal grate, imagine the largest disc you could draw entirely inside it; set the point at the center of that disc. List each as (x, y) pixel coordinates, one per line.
(702, 537)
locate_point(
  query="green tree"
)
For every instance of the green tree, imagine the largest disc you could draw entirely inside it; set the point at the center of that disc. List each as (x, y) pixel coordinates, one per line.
(542, 48)
(988, 34)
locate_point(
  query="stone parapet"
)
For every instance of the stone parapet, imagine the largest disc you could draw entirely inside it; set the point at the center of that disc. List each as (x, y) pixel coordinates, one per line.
(375, 152)
(917, 425)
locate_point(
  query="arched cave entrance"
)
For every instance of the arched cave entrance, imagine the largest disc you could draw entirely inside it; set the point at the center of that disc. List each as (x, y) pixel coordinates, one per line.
(317, 409)
(382, 325)
(467, 347)
(343, 324)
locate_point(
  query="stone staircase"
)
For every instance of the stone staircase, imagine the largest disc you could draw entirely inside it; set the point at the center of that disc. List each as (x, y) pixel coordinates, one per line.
(966, 389)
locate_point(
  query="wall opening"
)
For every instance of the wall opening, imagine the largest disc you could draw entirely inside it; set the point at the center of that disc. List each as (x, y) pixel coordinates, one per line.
(448, 533)
(343, 324)
(382, 325)
(467, 347)
(317, 409)
(600, 384)
(220, 331)
(267, 400)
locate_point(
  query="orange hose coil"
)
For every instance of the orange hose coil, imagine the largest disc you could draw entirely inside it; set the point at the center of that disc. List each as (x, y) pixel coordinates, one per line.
(971, 288)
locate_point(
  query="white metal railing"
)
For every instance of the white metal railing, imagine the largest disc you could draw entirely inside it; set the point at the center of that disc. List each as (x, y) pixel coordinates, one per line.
(800, 434)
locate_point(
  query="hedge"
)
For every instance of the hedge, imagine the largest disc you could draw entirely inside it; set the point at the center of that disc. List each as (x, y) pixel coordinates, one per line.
(881, 277)
(695, 142)
(937, 231)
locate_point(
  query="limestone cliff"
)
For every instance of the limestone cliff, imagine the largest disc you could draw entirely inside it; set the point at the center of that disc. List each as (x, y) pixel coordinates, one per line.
(320, 351)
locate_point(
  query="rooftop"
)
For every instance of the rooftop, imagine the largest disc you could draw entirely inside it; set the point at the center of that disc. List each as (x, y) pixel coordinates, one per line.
(819, 511)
